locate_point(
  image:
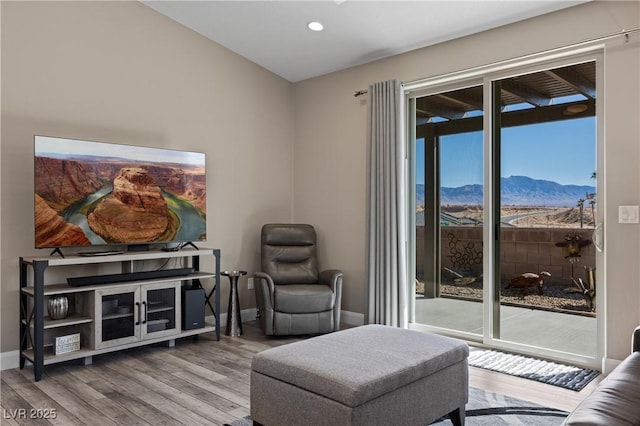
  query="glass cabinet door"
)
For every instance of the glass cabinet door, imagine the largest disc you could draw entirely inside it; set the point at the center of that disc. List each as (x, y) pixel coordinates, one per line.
(160, 309)
(118, 316)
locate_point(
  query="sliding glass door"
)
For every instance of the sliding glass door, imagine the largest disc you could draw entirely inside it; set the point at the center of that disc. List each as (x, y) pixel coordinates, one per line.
(506, 200)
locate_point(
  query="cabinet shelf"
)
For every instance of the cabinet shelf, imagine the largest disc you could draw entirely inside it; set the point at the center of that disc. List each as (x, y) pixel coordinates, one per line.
(116, 316)
(160, 309)
(62, 288)
(50, 358)
(37, 330)
(70, 320)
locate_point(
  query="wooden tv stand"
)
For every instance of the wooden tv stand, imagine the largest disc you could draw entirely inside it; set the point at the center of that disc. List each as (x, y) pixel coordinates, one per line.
(108, 317)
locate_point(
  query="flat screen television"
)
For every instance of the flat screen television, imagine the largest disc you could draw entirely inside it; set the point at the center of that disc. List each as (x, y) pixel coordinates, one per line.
(102, 194)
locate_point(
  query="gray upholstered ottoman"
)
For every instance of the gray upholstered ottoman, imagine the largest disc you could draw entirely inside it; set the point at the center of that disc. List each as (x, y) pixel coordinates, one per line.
(369, 375)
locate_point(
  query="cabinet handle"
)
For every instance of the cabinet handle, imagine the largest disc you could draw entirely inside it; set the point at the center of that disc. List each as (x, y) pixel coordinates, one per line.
(144, 318)
(138, 306)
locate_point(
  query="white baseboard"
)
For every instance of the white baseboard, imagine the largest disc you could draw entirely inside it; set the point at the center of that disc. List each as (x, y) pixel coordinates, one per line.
(9, 360)
(351, 318)
(609, 364)
(245, 314)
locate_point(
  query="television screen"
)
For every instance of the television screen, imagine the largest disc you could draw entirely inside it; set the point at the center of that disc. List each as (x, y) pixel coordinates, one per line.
(94, 193)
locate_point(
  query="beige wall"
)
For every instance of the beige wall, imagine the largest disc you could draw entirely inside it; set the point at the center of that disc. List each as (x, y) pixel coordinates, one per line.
(330, 148)
(120, 72)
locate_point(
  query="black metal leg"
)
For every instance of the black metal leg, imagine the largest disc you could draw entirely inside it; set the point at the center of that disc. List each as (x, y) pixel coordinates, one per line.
(38, 329)
(216, 254)
(24, 317)
(457, 416)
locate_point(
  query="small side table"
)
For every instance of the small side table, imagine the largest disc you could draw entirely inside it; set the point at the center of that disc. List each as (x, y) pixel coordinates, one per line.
(234, 321)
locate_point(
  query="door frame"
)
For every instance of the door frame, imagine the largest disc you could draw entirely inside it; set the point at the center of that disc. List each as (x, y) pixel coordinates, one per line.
(491, 305)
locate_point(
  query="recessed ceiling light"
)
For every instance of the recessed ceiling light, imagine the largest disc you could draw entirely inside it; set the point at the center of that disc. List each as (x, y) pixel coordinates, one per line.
(315, 26)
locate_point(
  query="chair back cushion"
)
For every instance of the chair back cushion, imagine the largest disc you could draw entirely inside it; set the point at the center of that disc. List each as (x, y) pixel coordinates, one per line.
(289, 253)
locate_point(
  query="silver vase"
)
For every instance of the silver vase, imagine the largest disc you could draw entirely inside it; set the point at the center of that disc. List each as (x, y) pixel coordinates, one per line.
(58, 307)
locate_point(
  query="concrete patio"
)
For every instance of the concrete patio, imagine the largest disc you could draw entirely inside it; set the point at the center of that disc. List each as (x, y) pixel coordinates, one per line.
(573, 334)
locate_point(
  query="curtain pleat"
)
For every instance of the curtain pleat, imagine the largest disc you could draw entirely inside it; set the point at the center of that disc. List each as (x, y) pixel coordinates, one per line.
(387, 208)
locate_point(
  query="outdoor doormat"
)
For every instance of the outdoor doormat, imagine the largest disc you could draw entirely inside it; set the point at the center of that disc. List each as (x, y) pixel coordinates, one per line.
(566, 376)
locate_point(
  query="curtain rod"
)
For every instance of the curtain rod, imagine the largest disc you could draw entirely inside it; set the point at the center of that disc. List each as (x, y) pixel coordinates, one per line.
(624, 33)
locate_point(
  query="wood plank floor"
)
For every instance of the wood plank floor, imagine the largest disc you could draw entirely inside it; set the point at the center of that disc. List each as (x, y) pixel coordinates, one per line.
(198, 382)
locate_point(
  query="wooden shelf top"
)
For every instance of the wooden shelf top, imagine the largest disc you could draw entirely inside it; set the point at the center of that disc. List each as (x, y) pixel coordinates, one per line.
(75, 259)
(70, 320)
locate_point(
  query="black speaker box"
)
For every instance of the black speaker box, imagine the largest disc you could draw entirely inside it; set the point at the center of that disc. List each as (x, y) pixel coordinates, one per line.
(192, 308)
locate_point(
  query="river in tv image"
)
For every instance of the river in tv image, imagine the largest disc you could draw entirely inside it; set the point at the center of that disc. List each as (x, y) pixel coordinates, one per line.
(192, 224)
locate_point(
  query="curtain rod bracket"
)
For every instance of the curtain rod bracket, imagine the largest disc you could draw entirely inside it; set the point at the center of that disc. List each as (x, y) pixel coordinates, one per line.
(360, 93)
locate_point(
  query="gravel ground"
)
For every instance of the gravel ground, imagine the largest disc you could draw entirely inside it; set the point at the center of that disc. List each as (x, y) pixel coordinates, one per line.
(554, 297)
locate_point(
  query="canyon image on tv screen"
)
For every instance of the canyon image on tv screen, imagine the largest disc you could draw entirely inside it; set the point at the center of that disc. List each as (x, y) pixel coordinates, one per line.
(99, 194)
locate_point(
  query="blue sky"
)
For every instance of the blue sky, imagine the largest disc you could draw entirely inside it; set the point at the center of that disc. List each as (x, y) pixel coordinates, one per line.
(560, 151)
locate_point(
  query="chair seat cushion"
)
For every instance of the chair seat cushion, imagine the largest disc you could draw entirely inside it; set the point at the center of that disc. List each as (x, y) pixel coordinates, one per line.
(303, 298)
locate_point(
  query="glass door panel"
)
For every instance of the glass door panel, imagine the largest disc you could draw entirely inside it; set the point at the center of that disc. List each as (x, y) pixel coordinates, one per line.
(546, 140)
(449, 211)
(117, 316)
(160, 303)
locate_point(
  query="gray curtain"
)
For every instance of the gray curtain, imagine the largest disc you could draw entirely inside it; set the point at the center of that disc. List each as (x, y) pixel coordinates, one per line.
(387, 208)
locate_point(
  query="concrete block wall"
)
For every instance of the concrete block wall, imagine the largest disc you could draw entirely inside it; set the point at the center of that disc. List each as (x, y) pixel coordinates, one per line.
(522, 250)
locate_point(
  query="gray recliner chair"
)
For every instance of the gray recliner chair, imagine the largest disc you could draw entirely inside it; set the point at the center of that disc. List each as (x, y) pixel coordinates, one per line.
(292, 296)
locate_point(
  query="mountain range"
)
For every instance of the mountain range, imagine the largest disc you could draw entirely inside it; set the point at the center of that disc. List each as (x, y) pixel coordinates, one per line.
(515, 190)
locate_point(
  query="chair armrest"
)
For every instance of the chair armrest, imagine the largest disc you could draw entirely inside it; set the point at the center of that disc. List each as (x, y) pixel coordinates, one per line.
(265, 301)
(332, 278)
(266, 285)
(635, 340)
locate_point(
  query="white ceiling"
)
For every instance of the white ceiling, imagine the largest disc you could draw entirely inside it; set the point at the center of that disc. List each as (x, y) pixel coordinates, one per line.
(274, 34)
